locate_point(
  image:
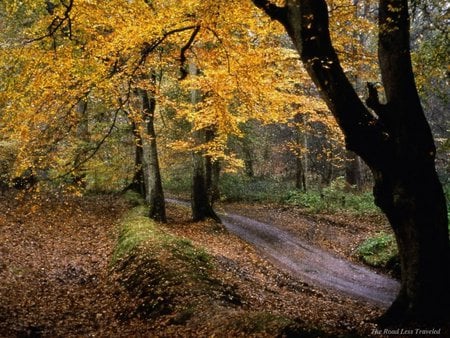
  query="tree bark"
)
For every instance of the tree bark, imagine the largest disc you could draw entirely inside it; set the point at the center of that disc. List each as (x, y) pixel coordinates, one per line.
(155, 193)
(353, 170)
(212, 172)
(79, 175)
(200, 200)
(138, 182)
(396, 144)
(201, 183)
(300, 177)
(410, 192)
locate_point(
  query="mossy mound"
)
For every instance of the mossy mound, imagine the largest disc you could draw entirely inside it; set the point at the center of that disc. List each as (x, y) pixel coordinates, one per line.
(158, 269)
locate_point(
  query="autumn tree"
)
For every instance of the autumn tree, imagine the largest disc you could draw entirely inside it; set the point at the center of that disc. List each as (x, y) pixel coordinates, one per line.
(393, 138)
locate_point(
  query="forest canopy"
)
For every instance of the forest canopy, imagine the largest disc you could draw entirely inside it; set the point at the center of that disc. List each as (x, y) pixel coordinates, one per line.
(71, 71)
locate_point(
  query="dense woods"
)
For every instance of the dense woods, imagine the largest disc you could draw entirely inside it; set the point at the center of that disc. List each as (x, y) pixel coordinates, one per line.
(214, 100)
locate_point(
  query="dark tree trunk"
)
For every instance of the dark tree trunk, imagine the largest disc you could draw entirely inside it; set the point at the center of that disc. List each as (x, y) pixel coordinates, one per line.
(300, 179)
(212, 171)
(408, 190)
(397, 145)
(200, 200)
(212, 175)
(79, 175)
(155, 193)
(248, 159)
(300, 167)
(138, 182)
(353, 170)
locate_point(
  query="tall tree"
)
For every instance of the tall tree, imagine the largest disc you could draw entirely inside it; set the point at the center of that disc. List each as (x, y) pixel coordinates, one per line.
(154, 190)
(394, 140)
(201, 202)
(138, 181)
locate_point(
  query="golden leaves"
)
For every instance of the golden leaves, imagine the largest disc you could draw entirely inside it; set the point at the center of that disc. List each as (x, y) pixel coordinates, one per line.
(244, 75)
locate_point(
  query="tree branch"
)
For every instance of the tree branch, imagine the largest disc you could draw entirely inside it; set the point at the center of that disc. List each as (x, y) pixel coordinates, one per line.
(273, 11)
(183, 72)
(150, 47)
(57, 22)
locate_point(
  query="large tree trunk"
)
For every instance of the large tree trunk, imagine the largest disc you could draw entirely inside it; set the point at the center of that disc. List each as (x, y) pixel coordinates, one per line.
(155, 193)
(200, 199)
(396, 144)
(408, 190)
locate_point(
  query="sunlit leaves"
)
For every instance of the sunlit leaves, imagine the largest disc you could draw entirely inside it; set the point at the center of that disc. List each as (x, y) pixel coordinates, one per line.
(103, 52)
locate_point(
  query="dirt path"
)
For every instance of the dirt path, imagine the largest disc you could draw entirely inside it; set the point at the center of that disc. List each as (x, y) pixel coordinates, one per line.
(311, 264)
(56, 282)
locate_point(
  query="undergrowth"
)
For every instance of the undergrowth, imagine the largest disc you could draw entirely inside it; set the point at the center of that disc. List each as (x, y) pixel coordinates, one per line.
(337, 197)
(380, 251)
(235, 188)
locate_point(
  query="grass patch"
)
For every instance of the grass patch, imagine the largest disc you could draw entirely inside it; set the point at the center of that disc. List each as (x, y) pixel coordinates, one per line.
(160, 270)
(379, 251)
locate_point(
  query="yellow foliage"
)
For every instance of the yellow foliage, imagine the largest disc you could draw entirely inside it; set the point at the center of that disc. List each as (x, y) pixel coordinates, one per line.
(102, 51)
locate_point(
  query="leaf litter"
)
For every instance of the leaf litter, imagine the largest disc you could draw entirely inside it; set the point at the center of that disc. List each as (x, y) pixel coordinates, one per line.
(57, 280)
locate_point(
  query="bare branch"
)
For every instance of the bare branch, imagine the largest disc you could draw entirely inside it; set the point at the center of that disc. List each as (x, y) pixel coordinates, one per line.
(183, 50)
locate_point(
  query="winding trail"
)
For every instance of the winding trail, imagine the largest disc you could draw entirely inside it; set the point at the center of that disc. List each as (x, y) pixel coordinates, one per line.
(309, 263)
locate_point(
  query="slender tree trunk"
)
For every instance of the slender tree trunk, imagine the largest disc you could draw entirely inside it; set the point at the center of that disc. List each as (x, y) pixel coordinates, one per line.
(305, 160)
(353, 169)
(79, 175)
(201, 183)
(397, 145)
(248, 159)
(212, 172)
(301, 156)
(300, 180)
(329, 170)
(138, 181)
(155, 193)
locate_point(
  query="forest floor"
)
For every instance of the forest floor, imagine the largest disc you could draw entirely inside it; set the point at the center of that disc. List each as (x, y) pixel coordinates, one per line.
(57, 280)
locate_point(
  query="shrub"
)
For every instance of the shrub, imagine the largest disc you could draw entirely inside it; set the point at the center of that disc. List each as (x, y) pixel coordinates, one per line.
(8, 153)
(379, 251)
(335, 198)
(234, 188)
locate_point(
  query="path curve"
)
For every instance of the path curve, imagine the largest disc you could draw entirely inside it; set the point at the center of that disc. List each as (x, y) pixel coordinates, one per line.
(310, 263)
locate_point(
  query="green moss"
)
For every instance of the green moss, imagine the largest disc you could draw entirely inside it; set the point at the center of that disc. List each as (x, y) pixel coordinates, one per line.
(133, 198)
(156, 267)
(135, 229)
